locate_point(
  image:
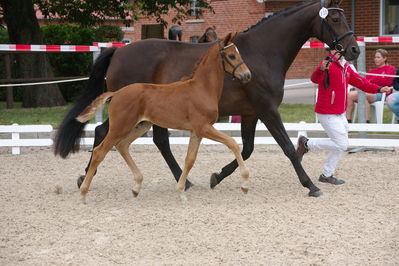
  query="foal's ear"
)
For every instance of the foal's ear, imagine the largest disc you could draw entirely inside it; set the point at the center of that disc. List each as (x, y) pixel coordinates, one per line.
(229, 38)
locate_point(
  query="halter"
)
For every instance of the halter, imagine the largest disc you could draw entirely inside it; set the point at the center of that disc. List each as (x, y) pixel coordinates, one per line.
(334, 45)
(225, 59)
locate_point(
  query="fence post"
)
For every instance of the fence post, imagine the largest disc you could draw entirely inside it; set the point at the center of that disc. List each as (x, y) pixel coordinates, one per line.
(10, 94)
(302, 132)
(15, 136)
(361, 102)
(99, 113)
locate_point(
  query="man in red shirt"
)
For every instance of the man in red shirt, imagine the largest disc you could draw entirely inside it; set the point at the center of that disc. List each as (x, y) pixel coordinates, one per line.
(330, 110)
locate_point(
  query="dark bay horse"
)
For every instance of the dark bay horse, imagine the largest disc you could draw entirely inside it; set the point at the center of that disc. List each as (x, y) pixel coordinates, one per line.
(190, 104)
(268, 48)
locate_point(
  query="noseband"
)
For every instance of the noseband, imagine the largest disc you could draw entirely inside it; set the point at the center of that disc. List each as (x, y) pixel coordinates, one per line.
(334, 45)
(225, 60)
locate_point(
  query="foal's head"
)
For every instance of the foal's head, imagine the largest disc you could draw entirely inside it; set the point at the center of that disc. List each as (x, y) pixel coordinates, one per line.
(232, 61)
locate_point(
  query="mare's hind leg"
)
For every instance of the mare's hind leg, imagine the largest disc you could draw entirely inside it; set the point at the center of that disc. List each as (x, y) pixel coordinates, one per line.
(192, 152)
(99, 134)
(248, 127)
(123, 148)
(210, 132)
(98, 156)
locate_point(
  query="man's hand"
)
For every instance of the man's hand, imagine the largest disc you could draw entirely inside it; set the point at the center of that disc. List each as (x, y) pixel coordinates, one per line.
(385, 90)
(325, 64)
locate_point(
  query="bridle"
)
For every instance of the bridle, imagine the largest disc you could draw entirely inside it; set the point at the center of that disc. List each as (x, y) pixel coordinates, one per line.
(334, 45)
(225, 60)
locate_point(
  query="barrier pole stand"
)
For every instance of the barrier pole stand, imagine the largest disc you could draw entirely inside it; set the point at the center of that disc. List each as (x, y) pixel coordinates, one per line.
(15, 136)
(99, 113)
(361, 102)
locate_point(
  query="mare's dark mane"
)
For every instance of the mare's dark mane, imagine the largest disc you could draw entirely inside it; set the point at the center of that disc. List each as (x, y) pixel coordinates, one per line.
(263, 20)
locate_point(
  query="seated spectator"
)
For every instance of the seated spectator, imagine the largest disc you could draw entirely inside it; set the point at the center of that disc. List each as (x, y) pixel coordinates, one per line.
(393, 99)
(382, 67)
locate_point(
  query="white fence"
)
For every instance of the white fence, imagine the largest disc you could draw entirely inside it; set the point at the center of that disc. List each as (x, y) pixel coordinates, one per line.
(301, 128)
(16, 142)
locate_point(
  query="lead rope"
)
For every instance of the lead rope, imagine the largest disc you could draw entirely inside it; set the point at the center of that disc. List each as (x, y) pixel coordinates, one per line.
(326, 78)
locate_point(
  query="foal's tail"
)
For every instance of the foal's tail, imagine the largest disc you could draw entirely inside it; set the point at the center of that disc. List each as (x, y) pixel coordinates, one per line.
(68, 135)
(90, 111)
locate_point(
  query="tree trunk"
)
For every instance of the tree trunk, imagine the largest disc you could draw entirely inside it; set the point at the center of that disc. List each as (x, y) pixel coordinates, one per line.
(23, 28)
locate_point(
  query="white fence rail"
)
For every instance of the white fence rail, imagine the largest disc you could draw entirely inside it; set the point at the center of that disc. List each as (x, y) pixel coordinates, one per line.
(301, 128)
(16, 142)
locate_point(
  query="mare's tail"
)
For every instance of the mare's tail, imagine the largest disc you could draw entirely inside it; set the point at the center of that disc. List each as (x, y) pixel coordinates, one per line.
(68, 135)
(90, 111)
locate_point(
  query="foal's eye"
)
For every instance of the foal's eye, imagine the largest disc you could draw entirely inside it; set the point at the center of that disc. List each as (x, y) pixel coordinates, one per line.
(231, 56)
(335, 20)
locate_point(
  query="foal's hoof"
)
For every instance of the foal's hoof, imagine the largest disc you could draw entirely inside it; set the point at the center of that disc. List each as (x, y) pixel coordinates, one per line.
(135, 194)
(315, 193)
(214, 180)
(80, 180)
(244, 189)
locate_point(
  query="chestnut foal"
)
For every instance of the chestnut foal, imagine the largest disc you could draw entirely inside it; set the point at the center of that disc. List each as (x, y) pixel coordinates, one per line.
(190, 104)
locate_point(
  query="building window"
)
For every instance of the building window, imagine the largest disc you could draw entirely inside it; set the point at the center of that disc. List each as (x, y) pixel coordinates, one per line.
(194, 11)
(390, 17)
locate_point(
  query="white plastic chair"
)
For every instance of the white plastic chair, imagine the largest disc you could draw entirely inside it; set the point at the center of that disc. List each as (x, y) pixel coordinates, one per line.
(394, 118)
(377, 110)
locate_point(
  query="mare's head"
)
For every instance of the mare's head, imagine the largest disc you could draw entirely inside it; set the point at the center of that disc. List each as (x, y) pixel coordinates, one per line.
(209, 35)
(332, 28)
(232, 61)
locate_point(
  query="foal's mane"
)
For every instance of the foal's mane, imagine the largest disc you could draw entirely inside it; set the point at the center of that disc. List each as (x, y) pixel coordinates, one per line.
(263, 20)
(190, 76)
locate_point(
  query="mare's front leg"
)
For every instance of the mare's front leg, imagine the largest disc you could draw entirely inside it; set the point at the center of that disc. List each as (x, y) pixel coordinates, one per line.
(248, 127)
(191, 156)
(99, 134)
(266, 108)
(161, 140)
(123, 148)
(98, 156)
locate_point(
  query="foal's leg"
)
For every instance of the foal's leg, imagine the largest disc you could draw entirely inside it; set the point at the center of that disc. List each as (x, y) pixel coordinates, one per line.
(210, 132)
(161, 140)
(123, 148)
(99, 134)
(192, 152)
(248, 127)
(98, 156)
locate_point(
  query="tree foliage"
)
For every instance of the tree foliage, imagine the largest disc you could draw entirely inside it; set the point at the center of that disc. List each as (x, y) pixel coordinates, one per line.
(92, 12)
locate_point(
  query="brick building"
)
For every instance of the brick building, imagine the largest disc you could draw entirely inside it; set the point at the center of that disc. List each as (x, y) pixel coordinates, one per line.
(367, 17)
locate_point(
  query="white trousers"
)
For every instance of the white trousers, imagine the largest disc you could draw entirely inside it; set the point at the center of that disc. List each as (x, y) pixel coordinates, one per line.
(336, 127)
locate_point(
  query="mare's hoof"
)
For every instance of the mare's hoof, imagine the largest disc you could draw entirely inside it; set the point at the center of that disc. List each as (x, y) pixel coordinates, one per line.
(135, 194)
(214, 180)
(80, 180)
(315, 193)
(244, 189)
(188, 185)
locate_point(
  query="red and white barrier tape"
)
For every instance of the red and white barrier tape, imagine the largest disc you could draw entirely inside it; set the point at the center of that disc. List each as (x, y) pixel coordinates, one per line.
(47, 48)
(109, 44)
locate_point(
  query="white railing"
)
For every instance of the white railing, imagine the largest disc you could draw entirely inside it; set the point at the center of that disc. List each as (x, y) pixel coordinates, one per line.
(16, 142)
(301, 128)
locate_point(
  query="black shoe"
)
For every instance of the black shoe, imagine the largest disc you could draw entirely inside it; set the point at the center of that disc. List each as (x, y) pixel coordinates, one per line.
(301, 147)
(330, 180)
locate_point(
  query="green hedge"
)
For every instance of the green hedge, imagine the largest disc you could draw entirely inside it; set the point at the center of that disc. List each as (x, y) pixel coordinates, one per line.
(68, 64)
